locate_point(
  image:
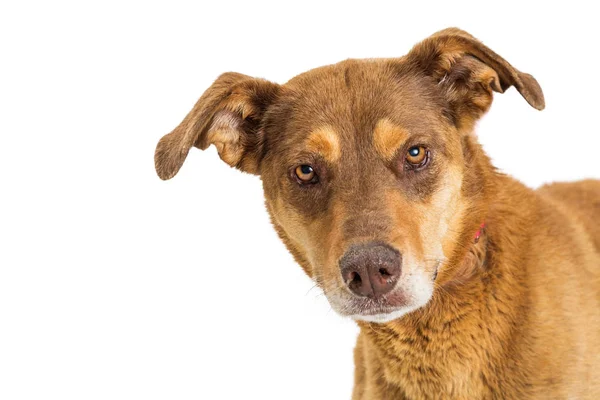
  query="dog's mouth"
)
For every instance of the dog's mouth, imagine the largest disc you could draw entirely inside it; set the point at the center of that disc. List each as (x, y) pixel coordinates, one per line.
(411, 292)
(379, 310)
(383, 315)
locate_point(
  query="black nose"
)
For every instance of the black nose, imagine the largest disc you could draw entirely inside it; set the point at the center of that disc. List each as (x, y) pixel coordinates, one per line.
(371, 269)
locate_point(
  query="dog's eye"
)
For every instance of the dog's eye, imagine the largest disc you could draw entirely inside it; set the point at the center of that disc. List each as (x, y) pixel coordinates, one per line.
(306, 174)
(417, 156)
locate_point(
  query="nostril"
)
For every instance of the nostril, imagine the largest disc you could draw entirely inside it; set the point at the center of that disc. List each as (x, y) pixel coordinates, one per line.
(355, 277)
(354, 281)
(384, 272)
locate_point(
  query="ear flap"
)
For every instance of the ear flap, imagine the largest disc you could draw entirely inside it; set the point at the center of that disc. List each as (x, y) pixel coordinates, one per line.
(468, 71)
(228, 115)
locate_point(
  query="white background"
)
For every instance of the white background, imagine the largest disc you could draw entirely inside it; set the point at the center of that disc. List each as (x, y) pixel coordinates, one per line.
(116, 285)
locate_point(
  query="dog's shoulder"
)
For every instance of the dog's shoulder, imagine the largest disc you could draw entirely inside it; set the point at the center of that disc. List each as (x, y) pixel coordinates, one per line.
(579, 200)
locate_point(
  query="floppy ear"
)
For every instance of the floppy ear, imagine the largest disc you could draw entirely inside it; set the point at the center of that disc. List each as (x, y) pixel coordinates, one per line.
(467, 72)
(228, 115)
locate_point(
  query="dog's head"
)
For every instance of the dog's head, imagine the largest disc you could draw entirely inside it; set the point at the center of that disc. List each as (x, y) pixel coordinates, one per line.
(371, 174)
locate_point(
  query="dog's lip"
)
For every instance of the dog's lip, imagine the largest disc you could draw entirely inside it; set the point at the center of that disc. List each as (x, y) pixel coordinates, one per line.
(390, 303)
(379, 311)
(435, 272)
(382, 315)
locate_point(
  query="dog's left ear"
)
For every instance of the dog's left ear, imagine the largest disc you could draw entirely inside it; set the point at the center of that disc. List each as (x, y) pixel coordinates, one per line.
(229, 115)
(467, 72)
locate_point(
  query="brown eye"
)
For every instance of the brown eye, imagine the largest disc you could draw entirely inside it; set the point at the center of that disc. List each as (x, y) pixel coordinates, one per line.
(305, 173)
(416, 156)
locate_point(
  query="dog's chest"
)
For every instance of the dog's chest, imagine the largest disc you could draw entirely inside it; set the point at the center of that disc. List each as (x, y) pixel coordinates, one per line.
(434, 371)
(424, 363)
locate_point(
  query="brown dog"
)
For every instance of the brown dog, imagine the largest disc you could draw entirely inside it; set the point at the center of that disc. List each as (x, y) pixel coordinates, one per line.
(465, 283)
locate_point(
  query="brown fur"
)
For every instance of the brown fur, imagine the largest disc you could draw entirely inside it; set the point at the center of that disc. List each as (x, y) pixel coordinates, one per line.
(514, 315)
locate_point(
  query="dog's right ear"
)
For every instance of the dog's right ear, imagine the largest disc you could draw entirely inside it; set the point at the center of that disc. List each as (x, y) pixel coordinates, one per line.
(228, 115)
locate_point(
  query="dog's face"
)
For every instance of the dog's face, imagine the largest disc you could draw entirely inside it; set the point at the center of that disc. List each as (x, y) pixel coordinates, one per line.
(370, 172)
(363, 181)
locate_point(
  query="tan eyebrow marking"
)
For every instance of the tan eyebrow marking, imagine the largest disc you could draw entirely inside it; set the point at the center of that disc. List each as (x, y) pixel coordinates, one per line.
(324, 141)
(388, 137)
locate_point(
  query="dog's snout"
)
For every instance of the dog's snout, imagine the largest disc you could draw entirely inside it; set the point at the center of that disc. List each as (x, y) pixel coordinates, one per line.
(371, 269)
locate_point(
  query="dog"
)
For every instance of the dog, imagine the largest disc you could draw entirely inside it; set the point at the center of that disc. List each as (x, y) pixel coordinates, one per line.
(465, 283)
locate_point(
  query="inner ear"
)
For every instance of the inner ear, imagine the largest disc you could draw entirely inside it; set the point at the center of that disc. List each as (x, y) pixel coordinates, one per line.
(226, 134)
(468, 87)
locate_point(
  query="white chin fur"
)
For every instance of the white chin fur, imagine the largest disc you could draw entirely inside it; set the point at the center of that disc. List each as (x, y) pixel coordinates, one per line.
(381, 318)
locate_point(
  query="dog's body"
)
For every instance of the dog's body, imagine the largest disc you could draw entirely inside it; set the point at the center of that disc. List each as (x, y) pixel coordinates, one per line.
(465, 283)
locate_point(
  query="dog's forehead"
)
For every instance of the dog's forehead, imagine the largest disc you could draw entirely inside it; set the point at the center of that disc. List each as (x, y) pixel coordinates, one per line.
(356, 103)
(345, 85)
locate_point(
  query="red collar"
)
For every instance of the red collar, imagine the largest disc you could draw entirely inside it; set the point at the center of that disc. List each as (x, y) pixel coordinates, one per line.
(479, 232)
